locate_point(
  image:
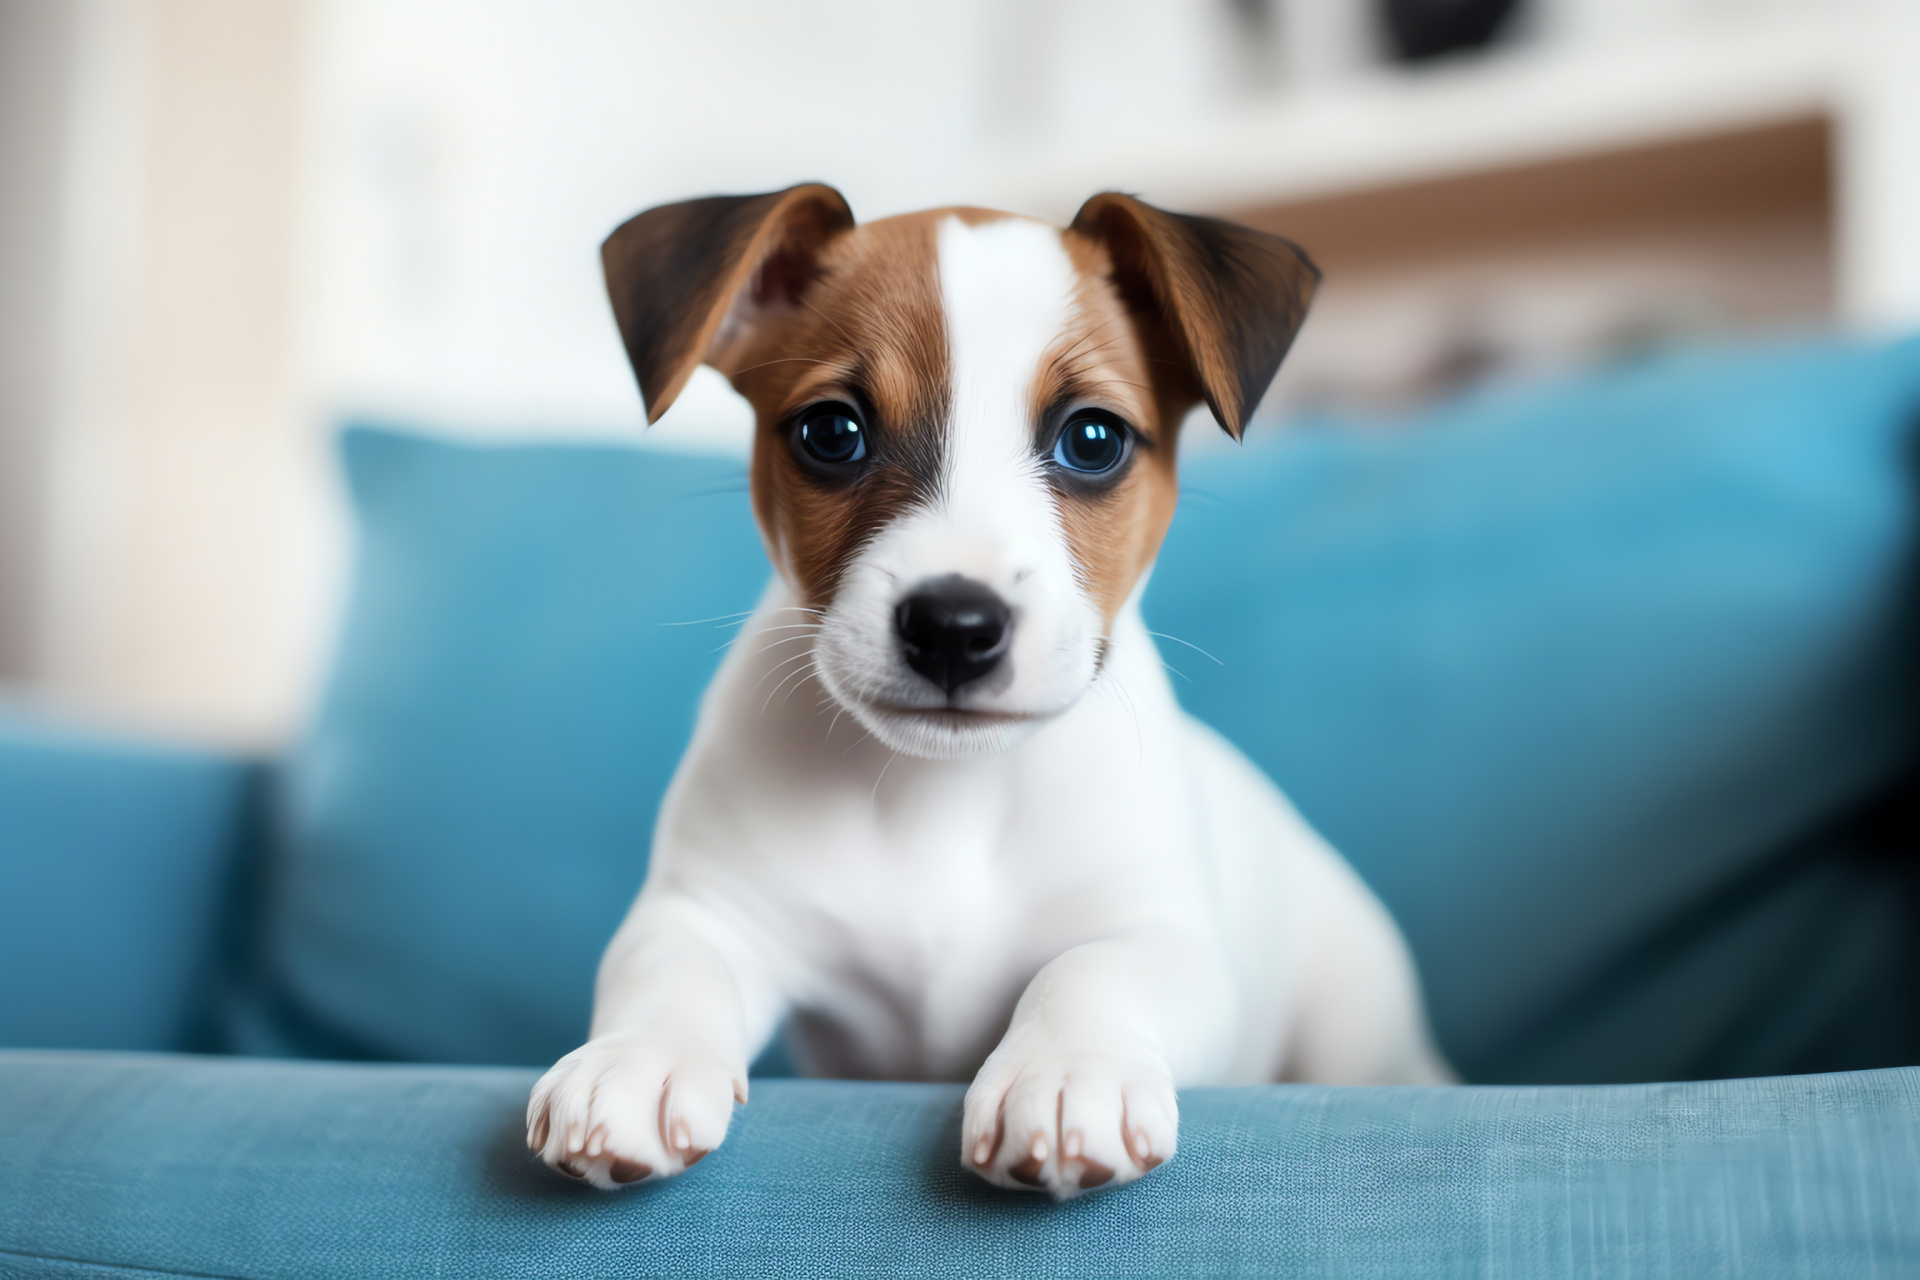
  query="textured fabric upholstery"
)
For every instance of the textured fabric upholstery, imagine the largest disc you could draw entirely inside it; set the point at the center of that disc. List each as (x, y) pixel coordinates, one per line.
(1603, 684)
(246, 1169)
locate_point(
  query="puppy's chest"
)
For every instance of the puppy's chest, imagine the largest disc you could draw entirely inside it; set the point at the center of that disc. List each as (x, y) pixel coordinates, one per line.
(918, 930)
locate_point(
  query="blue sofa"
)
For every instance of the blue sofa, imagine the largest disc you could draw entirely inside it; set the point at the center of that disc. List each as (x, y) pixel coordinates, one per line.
(1606, 685)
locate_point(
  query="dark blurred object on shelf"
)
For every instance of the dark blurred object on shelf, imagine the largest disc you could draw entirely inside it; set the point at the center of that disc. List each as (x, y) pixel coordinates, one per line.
(1423, 29)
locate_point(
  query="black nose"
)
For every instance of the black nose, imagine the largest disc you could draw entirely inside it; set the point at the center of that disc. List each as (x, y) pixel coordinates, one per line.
(953, 630)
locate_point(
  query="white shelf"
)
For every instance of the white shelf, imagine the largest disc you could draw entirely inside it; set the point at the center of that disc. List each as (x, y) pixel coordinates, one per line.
(1527, 105)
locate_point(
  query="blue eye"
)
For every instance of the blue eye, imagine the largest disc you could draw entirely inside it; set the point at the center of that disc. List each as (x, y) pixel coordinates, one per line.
(830, 433)
(1091, 445)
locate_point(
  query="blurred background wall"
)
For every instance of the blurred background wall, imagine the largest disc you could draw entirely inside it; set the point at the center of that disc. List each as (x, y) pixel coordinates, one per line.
(226, 224)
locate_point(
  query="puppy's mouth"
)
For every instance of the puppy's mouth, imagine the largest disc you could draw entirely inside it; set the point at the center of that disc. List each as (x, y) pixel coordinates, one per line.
(955, 717)
(942, 732)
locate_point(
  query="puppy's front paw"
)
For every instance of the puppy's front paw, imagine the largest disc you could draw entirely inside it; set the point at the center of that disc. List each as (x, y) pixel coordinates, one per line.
(1067, 1119)
(627, 1108)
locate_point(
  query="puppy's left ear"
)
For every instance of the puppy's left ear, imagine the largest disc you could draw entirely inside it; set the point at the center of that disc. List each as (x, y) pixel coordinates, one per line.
(687, 279)
(1231, 297)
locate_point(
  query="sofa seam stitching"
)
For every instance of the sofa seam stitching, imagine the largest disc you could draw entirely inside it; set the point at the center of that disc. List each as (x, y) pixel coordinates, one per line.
(130, 1268)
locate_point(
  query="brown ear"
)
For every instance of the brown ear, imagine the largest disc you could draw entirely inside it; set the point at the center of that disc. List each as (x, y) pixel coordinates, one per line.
(676, 272)
(1233, 298)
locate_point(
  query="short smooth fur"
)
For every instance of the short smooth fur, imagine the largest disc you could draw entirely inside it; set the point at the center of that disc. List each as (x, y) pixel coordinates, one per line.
(942, 815)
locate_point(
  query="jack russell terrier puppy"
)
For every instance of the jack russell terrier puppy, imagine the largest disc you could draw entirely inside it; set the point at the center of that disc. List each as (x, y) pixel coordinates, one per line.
(987, 843)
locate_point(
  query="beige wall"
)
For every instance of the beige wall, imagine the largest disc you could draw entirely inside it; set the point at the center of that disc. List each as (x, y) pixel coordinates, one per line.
(36, 59)
(210, 414)
(178, 482)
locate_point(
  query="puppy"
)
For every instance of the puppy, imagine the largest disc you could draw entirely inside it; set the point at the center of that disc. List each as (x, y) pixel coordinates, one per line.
(941, 810)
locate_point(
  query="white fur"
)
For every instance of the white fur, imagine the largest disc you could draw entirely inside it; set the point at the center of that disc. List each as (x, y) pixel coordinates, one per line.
(1007, 287)
(1084, 907)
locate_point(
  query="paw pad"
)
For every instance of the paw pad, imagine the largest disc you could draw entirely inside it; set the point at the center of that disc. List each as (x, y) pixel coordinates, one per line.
(625, 1171)
(1094, 1174)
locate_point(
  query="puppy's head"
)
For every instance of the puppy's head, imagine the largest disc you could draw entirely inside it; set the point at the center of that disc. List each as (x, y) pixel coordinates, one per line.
(964, 460)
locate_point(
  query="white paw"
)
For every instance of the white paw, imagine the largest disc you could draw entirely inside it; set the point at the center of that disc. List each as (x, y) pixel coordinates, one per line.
(1068, 1119)
(623, 1109)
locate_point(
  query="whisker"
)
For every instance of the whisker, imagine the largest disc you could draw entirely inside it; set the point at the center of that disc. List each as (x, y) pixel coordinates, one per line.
(1126, 697)
(812, 632)
(1069, 362)
(1086, 337)
(830, 320)
(771, 645)
(728, 644)
(1190, 644)
(875, 796)
(697, 622)
(812, 673)
(1091, 352)
(784, 662)
(832, 364)
(802, 672)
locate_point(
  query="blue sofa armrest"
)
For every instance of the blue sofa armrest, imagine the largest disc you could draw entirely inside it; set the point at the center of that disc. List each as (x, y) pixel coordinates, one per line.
(118, 867)
(239, 1167)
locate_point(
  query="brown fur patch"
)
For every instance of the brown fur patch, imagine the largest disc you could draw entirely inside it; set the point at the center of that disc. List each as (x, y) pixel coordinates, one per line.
(674, 271)
(1232, 298)
(869, 331)
(1123, 360)
(797, 305)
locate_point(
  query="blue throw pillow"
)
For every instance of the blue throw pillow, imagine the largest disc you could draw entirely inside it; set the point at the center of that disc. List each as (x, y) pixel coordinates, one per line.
(528, 635)
(1599, 684)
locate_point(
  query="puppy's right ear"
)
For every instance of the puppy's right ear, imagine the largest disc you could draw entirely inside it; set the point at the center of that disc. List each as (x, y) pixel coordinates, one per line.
(686, 278)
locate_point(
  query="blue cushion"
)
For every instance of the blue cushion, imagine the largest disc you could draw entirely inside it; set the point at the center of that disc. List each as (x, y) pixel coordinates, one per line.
(238, 1168)
(470, 814)
(117, 866)
(1597, 682)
